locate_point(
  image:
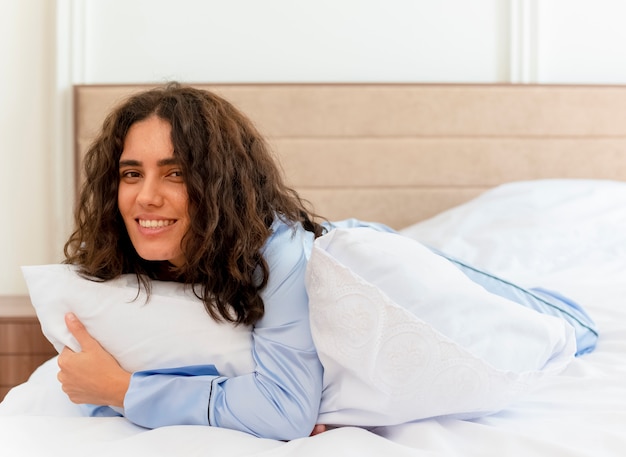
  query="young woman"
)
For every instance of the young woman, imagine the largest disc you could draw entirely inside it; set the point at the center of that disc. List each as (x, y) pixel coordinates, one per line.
(180, 186)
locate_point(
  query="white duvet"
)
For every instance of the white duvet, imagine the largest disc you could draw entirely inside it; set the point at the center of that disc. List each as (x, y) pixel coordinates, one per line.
(566, 235)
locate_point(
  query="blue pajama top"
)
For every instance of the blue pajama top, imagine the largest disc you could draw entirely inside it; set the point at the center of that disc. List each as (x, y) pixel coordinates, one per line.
(281, 398)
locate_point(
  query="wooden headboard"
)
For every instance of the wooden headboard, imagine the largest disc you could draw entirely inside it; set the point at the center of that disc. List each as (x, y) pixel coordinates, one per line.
(399, 153)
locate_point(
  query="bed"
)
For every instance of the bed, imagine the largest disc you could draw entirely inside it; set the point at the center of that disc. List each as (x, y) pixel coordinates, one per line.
(523, 181)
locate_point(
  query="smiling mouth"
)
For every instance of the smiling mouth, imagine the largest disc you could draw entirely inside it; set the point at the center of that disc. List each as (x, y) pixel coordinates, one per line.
(145, 223)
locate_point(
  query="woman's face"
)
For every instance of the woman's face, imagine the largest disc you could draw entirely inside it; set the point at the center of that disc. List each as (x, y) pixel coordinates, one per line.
(152, 195)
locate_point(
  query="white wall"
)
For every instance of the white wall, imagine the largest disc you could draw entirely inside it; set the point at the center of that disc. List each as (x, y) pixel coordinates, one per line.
(27, 60)
(581, 41)
(47, 45)
(295, 40)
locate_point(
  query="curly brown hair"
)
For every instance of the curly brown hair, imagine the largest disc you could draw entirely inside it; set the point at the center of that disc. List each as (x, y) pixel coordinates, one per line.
(235, 192)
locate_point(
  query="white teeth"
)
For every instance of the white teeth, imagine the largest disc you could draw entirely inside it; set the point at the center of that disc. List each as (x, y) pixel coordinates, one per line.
(155, 223)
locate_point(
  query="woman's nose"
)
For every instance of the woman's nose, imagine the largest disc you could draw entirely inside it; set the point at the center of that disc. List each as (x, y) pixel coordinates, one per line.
(150, 193)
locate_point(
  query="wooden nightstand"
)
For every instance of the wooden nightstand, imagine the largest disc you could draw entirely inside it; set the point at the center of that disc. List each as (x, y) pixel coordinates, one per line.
(22, 345)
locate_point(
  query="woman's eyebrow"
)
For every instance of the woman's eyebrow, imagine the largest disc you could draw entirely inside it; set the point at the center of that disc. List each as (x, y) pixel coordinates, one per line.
(129, 163)
(160, 163)
(168, 161)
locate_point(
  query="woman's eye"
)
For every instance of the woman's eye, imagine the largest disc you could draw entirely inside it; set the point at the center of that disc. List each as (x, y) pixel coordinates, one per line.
(130, 174)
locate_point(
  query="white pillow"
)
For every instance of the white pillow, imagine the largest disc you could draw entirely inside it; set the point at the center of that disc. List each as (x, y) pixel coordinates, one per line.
(171, 329)
(404, 335)
(529, 231)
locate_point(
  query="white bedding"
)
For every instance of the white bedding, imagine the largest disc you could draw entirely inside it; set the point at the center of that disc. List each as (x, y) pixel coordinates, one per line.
(566, 235)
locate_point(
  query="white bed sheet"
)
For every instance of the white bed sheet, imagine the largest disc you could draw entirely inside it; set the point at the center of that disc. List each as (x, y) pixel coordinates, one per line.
(566, 235)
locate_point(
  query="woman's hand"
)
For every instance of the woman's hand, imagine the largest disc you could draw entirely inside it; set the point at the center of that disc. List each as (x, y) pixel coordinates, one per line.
(92, 375)
(319, 428)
